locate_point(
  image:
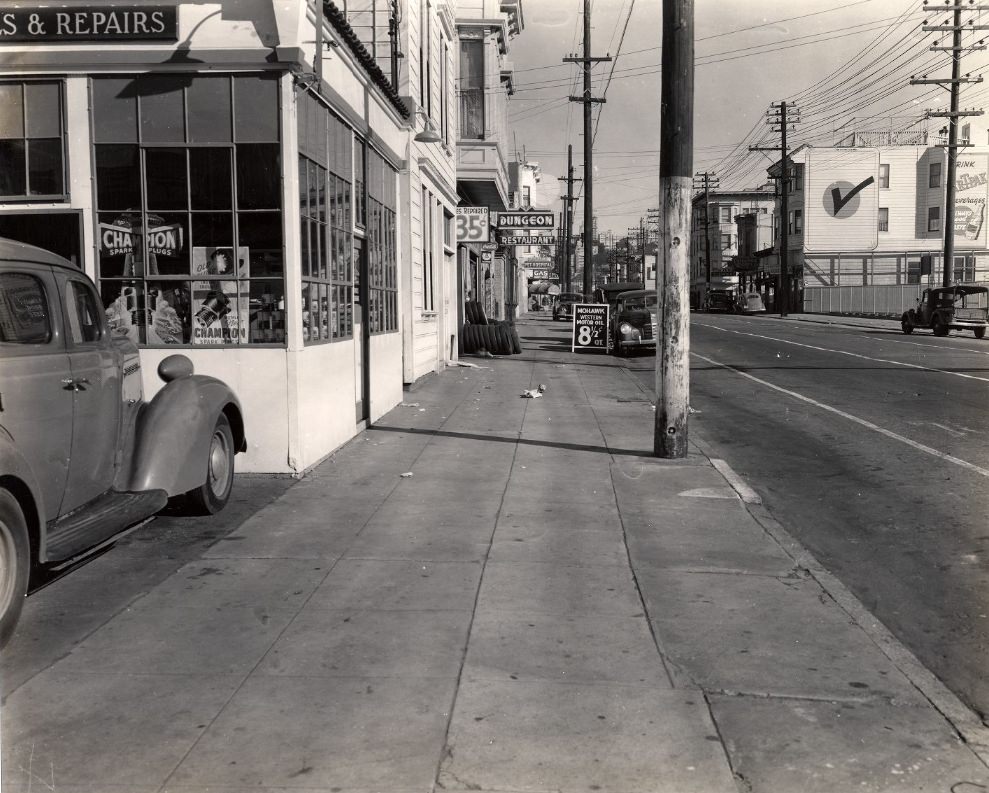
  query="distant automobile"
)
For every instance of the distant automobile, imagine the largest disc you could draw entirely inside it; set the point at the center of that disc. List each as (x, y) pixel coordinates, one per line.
(960, 307)
(563, 305)
(719, 300)
(750, 303)
(633, 321)
(82, 455)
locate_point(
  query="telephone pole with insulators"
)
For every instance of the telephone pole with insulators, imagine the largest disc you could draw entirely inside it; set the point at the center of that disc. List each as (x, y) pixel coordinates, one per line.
(955, 27)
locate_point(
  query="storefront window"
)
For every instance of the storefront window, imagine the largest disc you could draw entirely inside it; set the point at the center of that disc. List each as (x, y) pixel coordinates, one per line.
(326, 212)
(190, 228)
(32, 162)
(382, 251)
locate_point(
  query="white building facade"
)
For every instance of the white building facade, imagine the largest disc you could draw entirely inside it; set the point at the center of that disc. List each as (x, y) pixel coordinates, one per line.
(863, 222)
(241, 180)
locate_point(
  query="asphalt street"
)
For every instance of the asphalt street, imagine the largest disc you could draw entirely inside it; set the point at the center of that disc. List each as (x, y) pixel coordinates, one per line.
(873, 448)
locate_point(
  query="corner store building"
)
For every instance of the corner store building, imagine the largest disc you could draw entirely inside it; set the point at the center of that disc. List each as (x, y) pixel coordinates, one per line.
(228, 210)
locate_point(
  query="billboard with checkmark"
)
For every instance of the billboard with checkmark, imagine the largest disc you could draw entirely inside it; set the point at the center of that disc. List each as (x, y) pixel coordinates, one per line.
(842, 200)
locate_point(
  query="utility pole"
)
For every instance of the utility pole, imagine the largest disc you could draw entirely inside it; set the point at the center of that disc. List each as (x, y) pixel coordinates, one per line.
(587, 101)
(782, 118)
(705, 181)
(676, 164)
(568, 200)
(956, 49)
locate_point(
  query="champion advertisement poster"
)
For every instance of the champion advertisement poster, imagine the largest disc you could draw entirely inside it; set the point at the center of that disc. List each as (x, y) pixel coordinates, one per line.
(219, 312)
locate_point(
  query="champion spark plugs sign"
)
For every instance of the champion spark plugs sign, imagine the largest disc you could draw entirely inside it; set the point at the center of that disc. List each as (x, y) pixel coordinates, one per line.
(841, 202)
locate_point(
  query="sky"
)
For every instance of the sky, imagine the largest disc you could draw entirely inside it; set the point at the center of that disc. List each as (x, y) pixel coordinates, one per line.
(846, 63)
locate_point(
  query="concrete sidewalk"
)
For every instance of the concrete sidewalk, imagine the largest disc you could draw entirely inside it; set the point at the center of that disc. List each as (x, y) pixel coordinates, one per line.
(486, 592)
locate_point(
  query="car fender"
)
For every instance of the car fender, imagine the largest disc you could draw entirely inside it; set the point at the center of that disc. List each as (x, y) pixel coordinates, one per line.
(17, 477)
(173, 434)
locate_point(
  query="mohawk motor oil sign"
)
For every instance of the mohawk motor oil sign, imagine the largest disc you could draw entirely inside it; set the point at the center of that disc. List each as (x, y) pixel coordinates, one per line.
(971, 190)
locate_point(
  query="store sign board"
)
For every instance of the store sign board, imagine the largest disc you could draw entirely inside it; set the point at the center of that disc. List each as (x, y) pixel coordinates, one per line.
(473, 224)
(509, 238)
(590, 327)
(526, 220)
(842, 200)
(89, 23)
(971, 190)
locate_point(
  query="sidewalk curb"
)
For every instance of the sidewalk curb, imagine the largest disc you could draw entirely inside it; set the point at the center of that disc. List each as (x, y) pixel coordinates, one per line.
(966, 723)
(963, 719)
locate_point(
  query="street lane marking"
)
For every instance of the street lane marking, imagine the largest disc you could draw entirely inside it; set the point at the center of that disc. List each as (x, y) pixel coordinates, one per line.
(927, 346)
(746, 493)
(862, 422)
(845, 352)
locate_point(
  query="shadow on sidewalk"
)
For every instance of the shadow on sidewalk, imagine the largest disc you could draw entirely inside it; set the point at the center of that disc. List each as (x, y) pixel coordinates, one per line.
(575, 447)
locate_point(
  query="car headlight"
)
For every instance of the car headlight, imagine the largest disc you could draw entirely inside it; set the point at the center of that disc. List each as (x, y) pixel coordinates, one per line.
(628, 330)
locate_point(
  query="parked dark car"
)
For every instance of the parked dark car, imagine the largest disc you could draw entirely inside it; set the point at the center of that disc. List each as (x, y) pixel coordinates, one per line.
(563, 305)
(750, 303)
(947, 308)
(83, 456)
(720, 300)
(633, 321)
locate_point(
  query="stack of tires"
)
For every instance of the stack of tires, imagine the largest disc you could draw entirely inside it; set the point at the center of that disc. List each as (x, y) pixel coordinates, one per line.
(481, 335)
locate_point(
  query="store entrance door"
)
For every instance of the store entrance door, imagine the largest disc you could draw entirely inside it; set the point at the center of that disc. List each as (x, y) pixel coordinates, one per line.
(362, 333)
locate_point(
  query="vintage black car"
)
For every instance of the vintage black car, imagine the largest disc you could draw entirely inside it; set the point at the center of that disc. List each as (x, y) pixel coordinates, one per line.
(959, 307)
(633, 321)
(720, 300)
(563, 305)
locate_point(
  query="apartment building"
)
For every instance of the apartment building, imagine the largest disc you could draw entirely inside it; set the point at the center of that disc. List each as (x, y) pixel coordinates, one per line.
(714, 237)
(863, 219)
(485, 29)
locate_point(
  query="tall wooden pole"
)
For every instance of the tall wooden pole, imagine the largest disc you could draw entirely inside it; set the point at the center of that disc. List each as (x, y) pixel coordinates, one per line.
(588, 153)
(949, 200)
(676, 167)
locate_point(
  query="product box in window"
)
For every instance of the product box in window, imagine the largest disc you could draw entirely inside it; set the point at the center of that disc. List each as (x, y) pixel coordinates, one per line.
(220, 314)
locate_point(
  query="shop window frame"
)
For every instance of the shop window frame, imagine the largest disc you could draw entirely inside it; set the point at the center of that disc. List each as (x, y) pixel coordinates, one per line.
(63, 148)
(145, 279)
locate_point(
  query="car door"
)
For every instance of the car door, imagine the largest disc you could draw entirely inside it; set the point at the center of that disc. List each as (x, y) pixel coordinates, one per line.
(96, 389)
(35, 407)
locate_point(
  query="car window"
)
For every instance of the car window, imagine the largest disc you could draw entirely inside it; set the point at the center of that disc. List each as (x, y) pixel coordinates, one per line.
(641, 302)
(84, 317)
(24, 317)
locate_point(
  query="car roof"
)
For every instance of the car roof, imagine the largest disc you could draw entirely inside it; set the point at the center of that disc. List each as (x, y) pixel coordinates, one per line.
(966, 288)
(12, 250)
(636, 293)
(617, 287)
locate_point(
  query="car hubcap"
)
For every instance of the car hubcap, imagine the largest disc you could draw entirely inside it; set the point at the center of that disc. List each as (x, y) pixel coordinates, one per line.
(219, 464)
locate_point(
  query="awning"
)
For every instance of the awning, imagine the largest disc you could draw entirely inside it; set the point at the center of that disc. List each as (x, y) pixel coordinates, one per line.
(543, 288)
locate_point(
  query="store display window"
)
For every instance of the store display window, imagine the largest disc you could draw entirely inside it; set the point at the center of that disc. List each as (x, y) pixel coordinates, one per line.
(382, 245)
(188, 196)
(326, 234)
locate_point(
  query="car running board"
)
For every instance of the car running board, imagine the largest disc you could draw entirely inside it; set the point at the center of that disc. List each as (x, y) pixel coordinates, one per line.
(99, 521)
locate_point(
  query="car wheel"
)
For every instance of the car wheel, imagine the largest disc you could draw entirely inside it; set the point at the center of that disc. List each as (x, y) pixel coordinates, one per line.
(979, 332)
(212, 496)
(905, 325)
(15, 562)
(939, 327)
